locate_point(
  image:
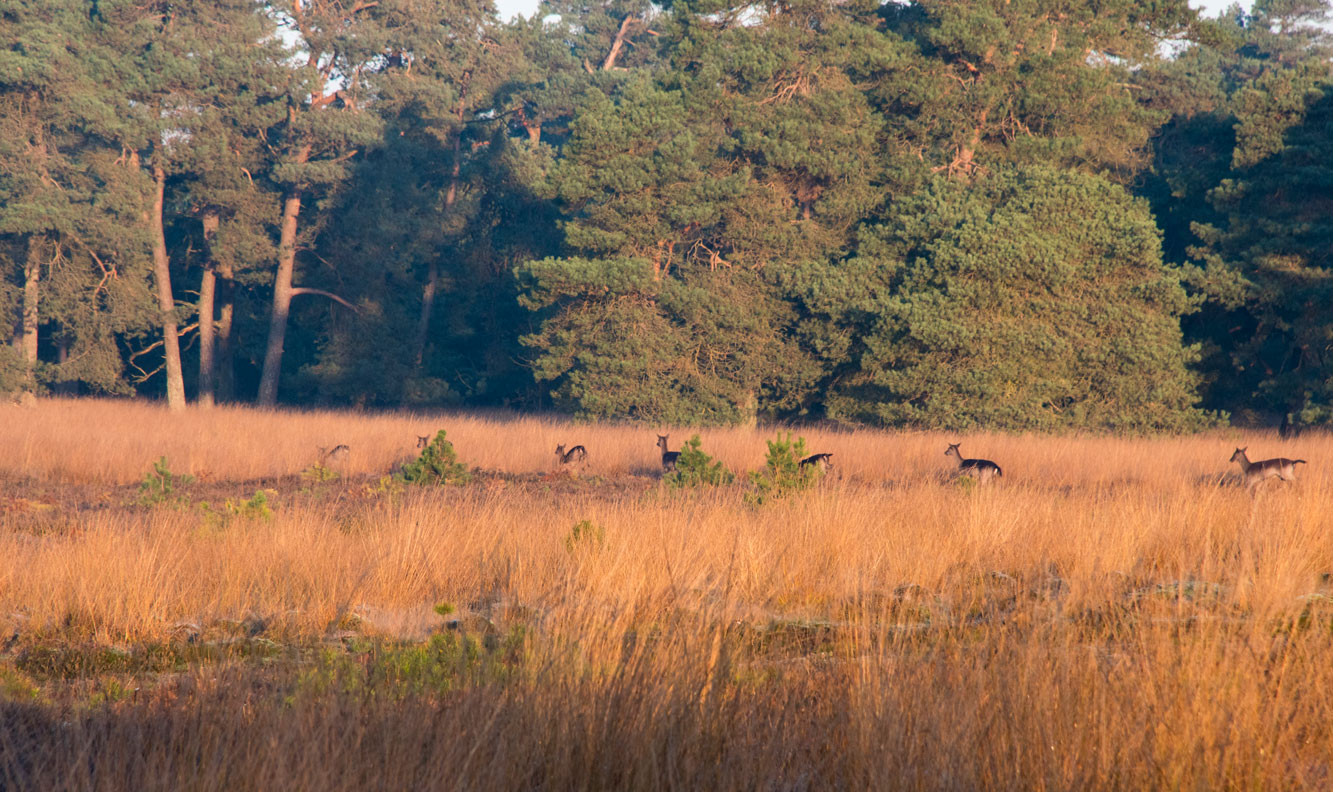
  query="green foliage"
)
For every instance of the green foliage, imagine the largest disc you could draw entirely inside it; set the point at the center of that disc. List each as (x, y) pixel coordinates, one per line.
(782, 473)
(12, 371)
(447, 662)
(585, 534)
(746, 212)
(318, 473)
(1031, 299)
(694, 468)
(254, 508)
(437, 464)
(391, 486)
(16, 686)
(159, 484)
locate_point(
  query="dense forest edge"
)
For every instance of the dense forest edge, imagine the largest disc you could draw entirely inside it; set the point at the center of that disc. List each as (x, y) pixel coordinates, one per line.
(1037, 215)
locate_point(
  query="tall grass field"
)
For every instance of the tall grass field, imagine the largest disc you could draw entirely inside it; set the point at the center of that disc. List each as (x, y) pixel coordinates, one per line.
(203, 601)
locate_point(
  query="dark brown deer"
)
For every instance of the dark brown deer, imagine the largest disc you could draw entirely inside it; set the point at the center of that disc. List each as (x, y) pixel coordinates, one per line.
(668, 457)
(822, 462)
(576, 454)
(982, 469)
(1257, 472)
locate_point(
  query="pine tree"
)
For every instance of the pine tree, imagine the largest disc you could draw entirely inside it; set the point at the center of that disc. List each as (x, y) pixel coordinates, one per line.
(1238, 170)
(1030, 299)
(1046, 82)
(70, 212)
(695, 196)
(326, 124)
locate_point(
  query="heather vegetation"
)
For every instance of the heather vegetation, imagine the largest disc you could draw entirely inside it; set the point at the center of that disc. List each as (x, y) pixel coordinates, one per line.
(1023, 216)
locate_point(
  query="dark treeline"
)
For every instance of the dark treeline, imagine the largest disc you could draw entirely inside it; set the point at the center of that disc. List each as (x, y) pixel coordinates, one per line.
(1021, 214)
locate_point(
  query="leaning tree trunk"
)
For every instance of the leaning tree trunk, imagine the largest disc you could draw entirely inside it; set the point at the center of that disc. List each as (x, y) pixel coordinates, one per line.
(282, 300)
(207, 297)
(166, 302)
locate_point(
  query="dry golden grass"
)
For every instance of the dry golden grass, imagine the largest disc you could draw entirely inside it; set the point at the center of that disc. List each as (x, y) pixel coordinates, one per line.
(1105, 616)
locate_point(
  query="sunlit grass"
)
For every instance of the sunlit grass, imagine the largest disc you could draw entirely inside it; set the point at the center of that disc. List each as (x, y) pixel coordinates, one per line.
(1104, 616)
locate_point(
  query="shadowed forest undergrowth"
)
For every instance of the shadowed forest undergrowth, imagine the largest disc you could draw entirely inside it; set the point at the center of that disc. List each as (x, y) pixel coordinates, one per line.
(1113, 613)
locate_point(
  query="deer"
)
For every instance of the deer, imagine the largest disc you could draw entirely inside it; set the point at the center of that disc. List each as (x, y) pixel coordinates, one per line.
(338, 454)
(1258, 472)
(668, 457)
(423, 441)
(822, 462)
(576, 454)
(983, 469)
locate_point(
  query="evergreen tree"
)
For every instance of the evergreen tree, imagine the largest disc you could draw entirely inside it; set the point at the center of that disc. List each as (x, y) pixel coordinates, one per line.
(1236, 169)
(1031, 299)
(1044, 82)
(326, 124)
(697, 195)
(71, 233)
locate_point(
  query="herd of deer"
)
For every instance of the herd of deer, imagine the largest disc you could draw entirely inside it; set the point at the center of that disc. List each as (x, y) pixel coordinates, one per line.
(982, 470)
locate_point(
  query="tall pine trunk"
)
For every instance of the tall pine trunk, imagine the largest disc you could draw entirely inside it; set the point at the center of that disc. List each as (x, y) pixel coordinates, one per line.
(282, 300)
(207, 297)
(226, 376)
(166, 302)
(32, 274)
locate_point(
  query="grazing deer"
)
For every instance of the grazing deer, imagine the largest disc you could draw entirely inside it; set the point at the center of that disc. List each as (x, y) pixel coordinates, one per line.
(822, 462)
(668, 457)
(423, 441)
(982, 469)
(1256, 472)
(576, 454)
(338, 454)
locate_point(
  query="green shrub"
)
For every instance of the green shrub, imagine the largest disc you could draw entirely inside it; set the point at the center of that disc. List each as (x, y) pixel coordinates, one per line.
(159, 484)
(694, 468)
(782, 473)
(255, 508)
(438, 464)
(318, 474)
(585, 533)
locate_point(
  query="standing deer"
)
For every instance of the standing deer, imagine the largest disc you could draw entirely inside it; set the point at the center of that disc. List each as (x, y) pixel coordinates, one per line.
(983, 469)
(576, 454)
(1256, 472)
(822, 462)
(423, 441)
(668, 457)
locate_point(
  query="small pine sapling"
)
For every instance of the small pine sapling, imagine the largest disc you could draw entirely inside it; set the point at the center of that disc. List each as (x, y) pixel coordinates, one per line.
(159, 484)
(783, 472)
(694, 468)
(438, 464)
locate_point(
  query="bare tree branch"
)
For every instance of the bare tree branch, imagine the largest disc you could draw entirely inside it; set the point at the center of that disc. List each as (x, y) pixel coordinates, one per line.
(307, 290)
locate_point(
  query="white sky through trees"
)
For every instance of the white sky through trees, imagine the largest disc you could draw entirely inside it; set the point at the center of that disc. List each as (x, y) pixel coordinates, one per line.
(509, 8)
